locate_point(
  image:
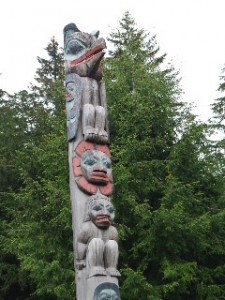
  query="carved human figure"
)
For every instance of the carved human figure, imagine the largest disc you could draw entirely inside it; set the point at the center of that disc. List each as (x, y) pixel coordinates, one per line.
(97, 247)
(83, 55)
(93, 168)
(107, 291)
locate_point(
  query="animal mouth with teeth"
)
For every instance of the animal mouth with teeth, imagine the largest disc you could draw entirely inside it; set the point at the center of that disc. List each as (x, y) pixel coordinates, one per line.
(91, 53)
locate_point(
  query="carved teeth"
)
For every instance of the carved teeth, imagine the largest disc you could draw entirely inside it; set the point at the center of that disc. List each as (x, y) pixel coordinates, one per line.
(88, 55)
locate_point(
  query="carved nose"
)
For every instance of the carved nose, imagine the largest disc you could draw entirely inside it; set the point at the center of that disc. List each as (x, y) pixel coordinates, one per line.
(105, 211)
(100, 169)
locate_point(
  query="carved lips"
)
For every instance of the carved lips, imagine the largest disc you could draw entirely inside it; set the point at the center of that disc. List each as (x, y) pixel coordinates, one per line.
(69, 96)
(99, 175)
(103, 220)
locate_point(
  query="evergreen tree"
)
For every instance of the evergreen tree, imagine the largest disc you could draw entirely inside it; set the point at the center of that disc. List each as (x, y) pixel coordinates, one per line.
(218, 106)
(218, 120)
(14, 135)
(40, 230)
(168, 191)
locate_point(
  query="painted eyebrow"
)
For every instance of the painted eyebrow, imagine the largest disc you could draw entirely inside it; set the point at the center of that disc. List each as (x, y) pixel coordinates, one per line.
(91, 155)
(98, 205)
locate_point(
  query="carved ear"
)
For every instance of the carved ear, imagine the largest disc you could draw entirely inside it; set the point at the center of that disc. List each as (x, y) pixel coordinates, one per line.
(71, 26)
(95, 33)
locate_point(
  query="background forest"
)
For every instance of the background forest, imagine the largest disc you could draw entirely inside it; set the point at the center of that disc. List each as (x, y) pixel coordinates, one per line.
(169, 187)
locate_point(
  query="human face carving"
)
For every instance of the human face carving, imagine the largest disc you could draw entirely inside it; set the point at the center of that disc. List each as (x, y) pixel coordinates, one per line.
(70, 90)
(96, 167)
(108, 294)
(100, 180)
(101, 212)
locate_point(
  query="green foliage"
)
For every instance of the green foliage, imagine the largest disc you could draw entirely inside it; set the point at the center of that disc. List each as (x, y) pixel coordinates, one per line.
(219, 104)
(44, 237)
(136, 286)
(168, 177)
(37, 257)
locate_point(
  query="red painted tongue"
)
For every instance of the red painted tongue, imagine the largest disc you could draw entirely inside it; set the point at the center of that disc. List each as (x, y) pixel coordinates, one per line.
(91, 52)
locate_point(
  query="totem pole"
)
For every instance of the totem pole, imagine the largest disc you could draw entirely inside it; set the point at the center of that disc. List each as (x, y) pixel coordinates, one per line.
(91, 183)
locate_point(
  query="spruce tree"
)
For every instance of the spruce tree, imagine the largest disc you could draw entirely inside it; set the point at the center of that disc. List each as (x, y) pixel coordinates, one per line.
(14, 136)
(218, 106)
(144, 123)
(168, 185)
(41, 231)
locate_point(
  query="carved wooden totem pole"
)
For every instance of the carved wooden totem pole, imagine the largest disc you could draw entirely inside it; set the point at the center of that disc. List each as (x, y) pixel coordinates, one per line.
(91, 183)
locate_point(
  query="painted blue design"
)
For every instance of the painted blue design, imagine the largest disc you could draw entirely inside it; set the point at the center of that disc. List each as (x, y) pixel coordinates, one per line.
(73, 103)
(107, 291)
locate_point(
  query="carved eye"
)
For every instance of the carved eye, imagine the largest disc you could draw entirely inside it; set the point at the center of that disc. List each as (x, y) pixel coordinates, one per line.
(70, 88)
(90, 161)
(97, 207)
(107, 163)
(110, 210)
(75, 47)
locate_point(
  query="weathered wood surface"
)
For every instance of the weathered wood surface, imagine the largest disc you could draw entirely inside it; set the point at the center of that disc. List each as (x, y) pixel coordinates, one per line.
(91, 183)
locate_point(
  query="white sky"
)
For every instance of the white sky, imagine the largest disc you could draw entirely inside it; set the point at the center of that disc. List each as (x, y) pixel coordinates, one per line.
(191, 32)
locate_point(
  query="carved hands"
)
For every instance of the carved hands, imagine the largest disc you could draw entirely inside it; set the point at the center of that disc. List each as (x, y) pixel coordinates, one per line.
(100, 238)
(80, 264)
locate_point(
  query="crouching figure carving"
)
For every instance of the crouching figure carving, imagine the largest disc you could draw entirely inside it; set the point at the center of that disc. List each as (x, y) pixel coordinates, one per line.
(97, 247)
(83, 55)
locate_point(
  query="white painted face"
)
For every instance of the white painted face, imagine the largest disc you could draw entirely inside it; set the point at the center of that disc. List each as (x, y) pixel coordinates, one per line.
(96, 167)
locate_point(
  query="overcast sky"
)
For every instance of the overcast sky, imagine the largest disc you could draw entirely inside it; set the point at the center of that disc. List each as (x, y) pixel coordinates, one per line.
(191, 32)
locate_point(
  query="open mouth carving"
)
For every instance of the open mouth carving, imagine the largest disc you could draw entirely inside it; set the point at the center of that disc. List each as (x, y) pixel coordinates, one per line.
(97, 50)
(103, 219)
(100, 176)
